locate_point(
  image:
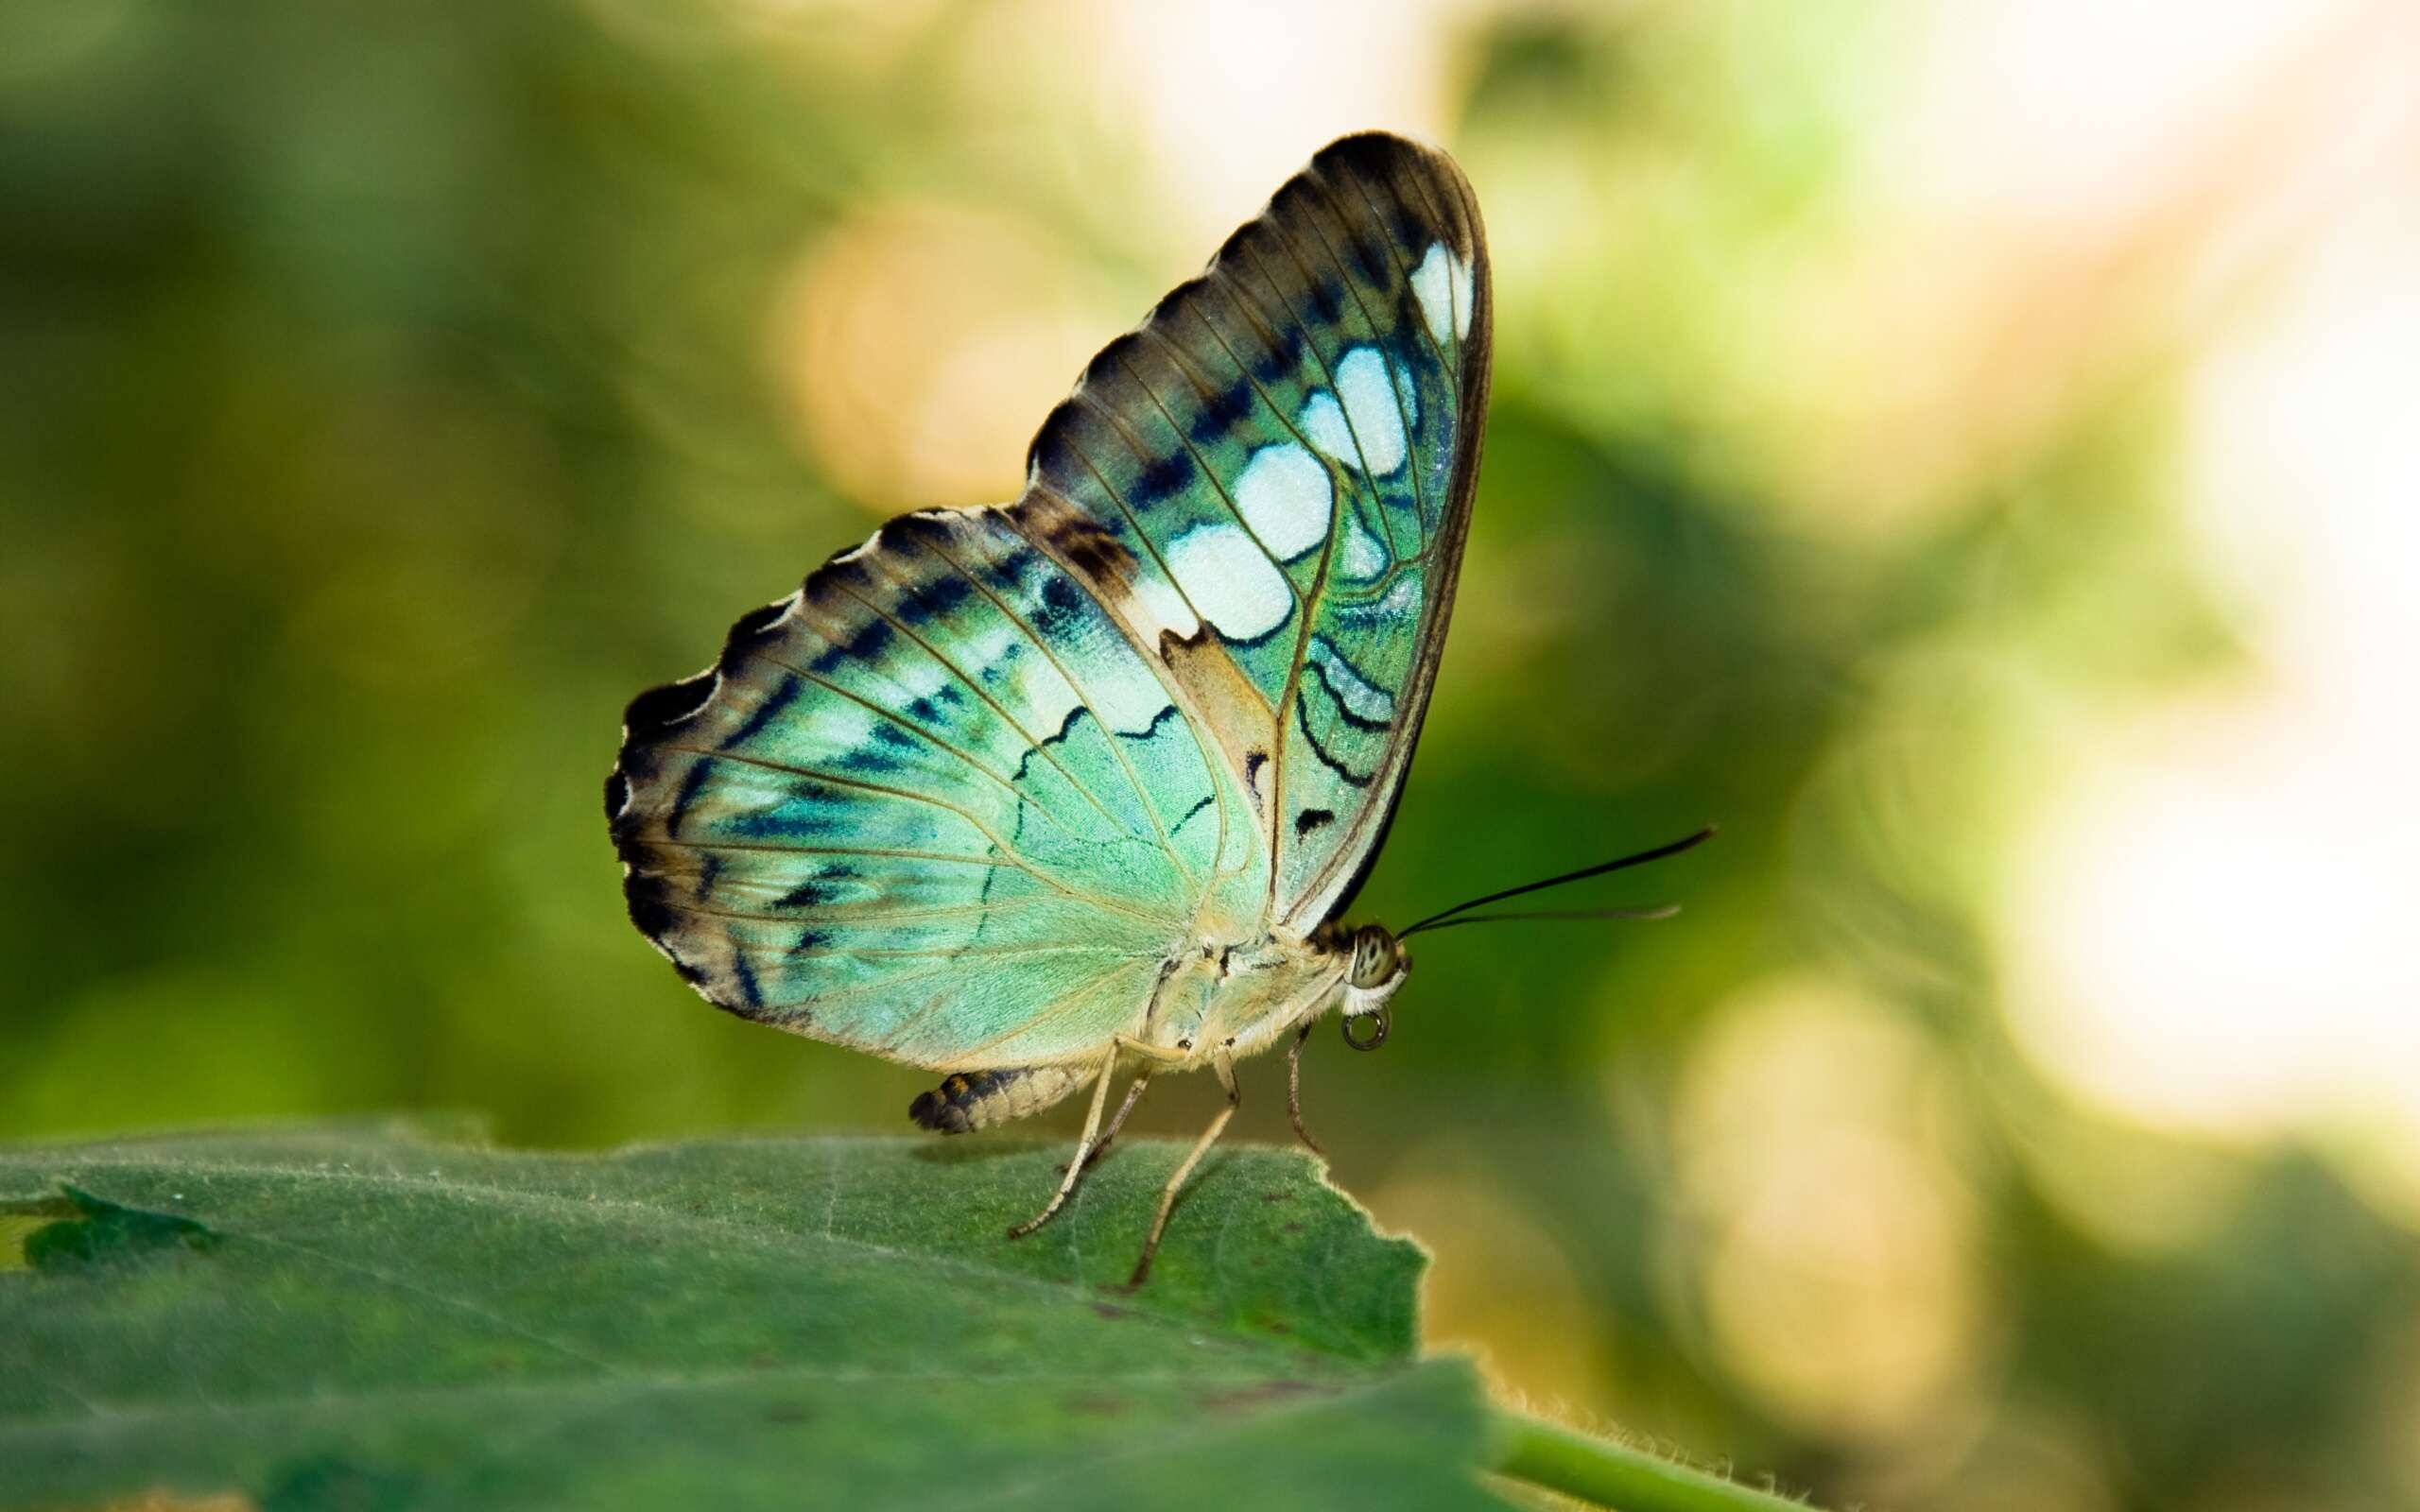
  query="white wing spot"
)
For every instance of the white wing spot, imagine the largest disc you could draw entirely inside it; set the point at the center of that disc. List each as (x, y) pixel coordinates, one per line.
(836, 725)
(1432, 284)
(1369, 426)
(1230, 580)
(1363, 557)
(1462, 296)
(1159, 607)
(1287, 497)
(1323, 423)
(919, 677)
(1370, 404)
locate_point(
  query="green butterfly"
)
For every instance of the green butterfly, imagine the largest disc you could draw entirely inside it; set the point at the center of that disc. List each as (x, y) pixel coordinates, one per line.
(1030, 794)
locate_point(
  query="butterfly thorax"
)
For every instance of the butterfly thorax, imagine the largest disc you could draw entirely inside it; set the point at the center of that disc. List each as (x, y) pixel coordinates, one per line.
(1238, 997)
(1241, 997)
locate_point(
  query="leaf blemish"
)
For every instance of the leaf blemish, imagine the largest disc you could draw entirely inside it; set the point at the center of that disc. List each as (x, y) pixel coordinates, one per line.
(76, 1230)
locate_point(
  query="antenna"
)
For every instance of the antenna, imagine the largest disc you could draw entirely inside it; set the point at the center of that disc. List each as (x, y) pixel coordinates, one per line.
(1663, 911)
(1441, 920)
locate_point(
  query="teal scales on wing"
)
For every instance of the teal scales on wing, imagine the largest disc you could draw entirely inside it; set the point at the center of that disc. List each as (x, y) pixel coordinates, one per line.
(965, 797)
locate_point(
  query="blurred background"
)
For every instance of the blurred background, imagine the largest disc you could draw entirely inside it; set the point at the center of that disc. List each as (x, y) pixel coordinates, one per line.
(1971, 449)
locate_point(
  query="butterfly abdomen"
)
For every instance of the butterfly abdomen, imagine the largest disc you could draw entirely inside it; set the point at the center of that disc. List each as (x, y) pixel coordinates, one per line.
(977, 1099)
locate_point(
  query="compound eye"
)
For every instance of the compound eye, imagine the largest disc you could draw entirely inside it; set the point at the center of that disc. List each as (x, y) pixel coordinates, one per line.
(1373, 960)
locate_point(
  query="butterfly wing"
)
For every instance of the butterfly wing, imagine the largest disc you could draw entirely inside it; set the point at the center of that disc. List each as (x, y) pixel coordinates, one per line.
(958, 800)
(1268, 483)
(932, 805)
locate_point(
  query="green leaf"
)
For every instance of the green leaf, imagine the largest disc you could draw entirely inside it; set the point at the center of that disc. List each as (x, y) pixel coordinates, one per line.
(374, 1317)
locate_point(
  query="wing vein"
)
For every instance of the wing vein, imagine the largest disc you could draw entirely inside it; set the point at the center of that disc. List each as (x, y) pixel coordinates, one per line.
(953, 953)
(1395, 390)
(1143, 454)
(1233, 287)
(1226, 498)
(1015, 856)
(930, 735)
(1377, 500)
(892, 853)
(1286, 238)
(1059, 1006)
(1450, 363)
(954, 670)
(1142, 794)
(1211, 761)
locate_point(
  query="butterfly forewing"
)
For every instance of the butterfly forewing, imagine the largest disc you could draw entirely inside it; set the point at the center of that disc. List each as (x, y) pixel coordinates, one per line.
(1270, 480)
(959, 798)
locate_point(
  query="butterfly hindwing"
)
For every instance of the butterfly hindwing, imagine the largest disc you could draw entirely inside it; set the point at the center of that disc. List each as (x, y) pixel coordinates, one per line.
(963, 797)
(1270, 480)
(932, 805)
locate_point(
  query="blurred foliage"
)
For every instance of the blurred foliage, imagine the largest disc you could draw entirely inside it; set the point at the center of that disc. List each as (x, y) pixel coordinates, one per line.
(388, 391)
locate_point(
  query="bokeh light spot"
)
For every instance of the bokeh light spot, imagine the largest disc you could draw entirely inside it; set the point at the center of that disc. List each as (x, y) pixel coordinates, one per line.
(919, 345)
(1836, 1240)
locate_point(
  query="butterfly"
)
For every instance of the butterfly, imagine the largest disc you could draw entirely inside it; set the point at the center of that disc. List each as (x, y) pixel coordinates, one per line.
(1033, 794)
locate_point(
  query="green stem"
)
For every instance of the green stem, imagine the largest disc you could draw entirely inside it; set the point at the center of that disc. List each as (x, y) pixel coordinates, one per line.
(1616, 1475)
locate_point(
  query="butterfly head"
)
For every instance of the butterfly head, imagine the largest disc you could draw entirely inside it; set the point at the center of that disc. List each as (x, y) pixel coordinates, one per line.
(1377, 962)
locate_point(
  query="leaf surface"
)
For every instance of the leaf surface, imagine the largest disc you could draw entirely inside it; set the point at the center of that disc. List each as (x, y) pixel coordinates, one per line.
(380, 1318)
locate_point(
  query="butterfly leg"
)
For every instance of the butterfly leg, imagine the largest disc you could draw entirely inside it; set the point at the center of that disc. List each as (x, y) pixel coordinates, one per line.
(1294, 1089)
(1075, 1168)
(1159, 1053)
(1224, 1065)
(1117, 1119)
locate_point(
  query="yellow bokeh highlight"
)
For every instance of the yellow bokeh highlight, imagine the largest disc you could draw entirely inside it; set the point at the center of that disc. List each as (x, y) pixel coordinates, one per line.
(919, 345)
(1834, 1240)
(1225, 96)
(2207, 927)
(1498, 1284)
